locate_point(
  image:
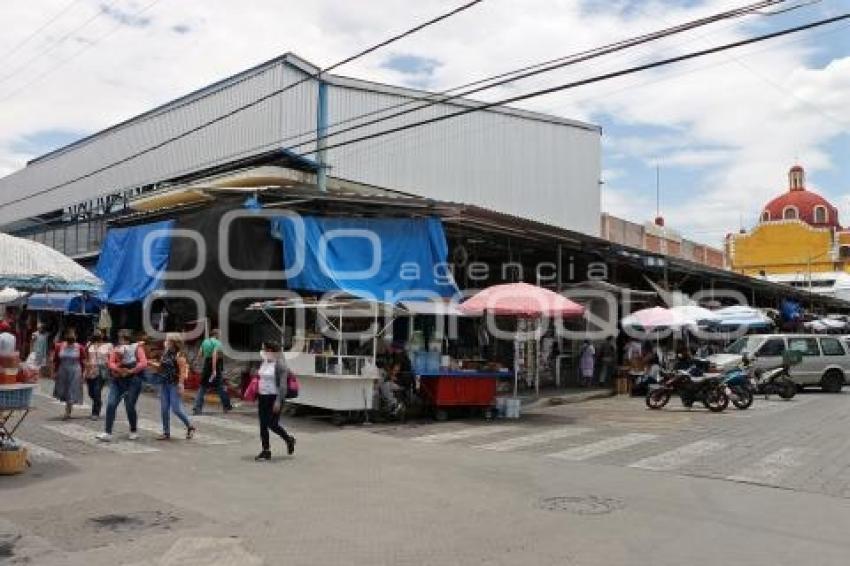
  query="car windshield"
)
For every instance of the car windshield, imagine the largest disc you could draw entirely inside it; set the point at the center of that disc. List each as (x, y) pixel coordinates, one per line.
(743, 344)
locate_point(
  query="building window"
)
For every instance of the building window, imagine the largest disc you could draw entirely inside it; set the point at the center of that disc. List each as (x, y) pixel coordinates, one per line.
(790, 213)
(821, 215)
(765, 216)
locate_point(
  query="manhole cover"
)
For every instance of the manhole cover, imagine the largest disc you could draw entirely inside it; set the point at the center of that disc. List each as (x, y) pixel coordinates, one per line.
(587, 505)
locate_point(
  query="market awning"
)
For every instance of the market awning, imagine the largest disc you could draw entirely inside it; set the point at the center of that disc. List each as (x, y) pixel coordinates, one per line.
(434, 308)
(384, 259)
(132, 260)
(69, 303)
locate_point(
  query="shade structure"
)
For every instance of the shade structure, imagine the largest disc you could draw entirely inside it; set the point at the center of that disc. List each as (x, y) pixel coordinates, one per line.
(656, 318)
(742, 316)
(29, 265)
(10, 295)
(696, 314)
(521, 300)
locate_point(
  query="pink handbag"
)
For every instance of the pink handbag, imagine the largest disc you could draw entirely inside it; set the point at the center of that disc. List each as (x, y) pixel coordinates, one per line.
(252, 390)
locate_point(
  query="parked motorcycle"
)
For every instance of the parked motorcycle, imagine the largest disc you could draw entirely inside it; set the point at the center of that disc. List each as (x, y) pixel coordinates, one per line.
(710, 391)
(776, 381)
(739, 388)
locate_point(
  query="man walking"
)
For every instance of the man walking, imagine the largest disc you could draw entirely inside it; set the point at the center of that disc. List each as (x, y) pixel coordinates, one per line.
(212, 374)
(607, 361)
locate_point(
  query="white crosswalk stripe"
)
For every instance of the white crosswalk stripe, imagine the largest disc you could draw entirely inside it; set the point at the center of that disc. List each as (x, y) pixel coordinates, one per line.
(773, 467)
(87, 436)
(203, 437)
(464, 433)
(678, 457)
(44, 395)
(534, 439)
(38, 453)
(602, 447)
(227, 424)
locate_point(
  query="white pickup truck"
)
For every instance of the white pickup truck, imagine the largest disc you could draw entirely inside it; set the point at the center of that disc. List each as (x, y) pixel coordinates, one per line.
(825, 359)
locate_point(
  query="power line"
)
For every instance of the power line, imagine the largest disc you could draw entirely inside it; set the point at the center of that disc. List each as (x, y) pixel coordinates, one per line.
(86, 47)
(591, 80)
(251, 104)
(531, 70)
(101, 11)
(41, 28)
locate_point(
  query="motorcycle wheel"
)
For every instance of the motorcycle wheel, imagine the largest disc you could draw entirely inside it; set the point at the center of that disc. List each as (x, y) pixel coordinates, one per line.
(657, 399)
(716, 400)
(787, 390)
(743, 398)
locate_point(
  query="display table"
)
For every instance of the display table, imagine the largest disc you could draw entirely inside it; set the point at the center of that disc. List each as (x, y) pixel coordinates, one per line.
(454, 389)
(15, 400)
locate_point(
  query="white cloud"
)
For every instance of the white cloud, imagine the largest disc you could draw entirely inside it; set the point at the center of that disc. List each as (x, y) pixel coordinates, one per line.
(737, 119)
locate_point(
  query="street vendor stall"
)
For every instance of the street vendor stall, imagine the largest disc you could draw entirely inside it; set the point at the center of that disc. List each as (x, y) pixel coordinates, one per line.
(331, 373)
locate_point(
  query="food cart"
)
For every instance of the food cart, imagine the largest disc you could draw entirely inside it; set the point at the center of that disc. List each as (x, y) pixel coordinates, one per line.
(330, 376)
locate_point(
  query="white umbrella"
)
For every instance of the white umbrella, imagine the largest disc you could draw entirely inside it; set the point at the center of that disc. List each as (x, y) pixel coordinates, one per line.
(655, 318)
(696, 314)
(25, 264)
(10, 295)
(743, 316)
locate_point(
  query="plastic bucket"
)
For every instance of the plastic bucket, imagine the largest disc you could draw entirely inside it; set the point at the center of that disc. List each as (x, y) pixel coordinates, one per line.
(512, 408)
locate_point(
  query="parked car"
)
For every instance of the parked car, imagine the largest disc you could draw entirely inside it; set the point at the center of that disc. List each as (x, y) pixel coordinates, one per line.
(825, 360)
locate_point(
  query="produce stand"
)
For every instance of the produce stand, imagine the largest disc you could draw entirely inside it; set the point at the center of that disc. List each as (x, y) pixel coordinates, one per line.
(451, 389)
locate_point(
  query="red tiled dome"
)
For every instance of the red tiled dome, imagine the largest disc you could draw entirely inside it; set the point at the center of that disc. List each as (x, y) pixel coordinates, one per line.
(804, 202)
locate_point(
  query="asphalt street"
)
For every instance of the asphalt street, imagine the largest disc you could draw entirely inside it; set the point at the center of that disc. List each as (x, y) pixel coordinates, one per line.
(602, 482)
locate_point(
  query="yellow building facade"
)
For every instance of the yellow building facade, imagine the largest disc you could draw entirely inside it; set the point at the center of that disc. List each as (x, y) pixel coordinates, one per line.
(798, 234)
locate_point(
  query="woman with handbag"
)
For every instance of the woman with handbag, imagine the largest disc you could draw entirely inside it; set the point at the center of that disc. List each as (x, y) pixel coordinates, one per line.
(273, 388)
(173, 370)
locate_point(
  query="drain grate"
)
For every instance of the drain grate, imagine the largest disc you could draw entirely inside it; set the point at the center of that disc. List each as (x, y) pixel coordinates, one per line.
(585, 505)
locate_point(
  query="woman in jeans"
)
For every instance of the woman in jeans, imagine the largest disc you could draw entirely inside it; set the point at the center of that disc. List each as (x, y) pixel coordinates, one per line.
(272, 391)
(97, 372)
(126, 365)
(173, 371)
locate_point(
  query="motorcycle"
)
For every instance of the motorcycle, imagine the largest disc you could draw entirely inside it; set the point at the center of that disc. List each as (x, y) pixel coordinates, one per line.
(776, 381)
(707, 390)
(739, 388)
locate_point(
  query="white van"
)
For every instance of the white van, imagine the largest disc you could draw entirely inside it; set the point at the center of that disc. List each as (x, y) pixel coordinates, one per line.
(825, 359)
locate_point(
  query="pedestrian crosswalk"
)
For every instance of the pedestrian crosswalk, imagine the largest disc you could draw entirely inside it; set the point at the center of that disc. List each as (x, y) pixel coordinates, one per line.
(771, 469)
(86, 436)
(534, 439)
(678, 457)
(602, 447)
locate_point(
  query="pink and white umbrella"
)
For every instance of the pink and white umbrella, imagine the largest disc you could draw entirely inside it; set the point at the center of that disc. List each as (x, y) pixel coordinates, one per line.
(656, 318)
(521, 300)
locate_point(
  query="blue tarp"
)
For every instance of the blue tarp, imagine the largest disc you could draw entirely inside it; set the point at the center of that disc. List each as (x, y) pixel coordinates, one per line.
(386, 259)
(121, 266)
(72, 303)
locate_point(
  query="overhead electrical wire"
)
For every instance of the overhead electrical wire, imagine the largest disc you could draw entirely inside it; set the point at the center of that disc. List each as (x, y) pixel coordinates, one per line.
(528, 71)
(255, 102)
(598, 78)
(38, 30)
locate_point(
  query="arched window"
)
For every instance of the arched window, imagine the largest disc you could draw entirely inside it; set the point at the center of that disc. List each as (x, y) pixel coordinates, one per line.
(821, 214)
(790, 213)
(765, 216)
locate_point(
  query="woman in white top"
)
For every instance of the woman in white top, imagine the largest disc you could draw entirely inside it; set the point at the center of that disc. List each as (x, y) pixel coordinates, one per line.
(272, 391)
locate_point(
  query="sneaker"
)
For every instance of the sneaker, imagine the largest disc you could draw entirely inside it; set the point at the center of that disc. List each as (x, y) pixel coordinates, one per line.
(290, 445)
(104, 437)
(94, 417)
(133, 436)
(164, 437)
(264, 455)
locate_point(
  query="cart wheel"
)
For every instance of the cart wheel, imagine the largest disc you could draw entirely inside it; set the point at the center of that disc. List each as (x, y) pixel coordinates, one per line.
(441, 415)
(339, 418)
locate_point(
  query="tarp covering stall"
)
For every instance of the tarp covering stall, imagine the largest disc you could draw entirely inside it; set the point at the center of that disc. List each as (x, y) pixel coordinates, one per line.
(386, 259)
(122, 266)
(68, 303)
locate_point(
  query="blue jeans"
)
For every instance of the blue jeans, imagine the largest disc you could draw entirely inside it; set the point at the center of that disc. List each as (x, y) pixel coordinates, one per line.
(128, 389)
(169, 400)
(221, 388)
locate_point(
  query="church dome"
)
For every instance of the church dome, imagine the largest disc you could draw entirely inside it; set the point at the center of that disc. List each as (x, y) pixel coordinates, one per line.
(801, 204)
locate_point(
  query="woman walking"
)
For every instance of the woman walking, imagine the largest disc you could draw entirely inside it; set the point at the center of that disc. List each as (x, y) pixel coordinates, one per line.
(173, 371)
(69, 362)
(97, 372)
(126, 364)
(272, 391)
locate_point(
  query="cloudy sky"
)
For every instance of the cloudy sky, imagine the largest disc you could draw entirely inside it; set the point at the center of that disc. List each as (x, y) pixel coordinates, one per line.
(723, 129)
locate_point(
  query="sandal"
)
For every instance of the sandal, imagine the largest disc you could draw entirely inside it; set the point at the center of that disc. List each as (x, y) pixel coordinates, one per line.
(190, 432)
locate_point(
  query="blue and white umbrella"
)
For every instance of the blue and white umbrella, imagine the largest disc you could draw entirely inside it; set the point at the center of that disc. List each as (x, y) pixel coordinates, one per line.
(742, 316)
(26, 265)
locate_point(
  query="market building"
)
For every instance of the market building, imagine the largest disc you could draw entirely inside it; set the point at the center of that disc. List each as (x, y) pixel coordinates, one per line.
(799, 241)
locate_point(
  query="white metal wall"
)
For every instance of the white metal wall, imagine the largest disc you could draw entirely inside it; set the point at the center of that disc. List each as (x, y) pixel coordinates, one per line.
(542, 170)
(250, 132)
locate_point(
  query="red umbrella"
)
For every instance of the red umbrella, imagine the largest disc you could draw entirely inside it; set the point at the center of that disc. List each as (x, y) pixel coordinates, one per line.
(521, 300)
